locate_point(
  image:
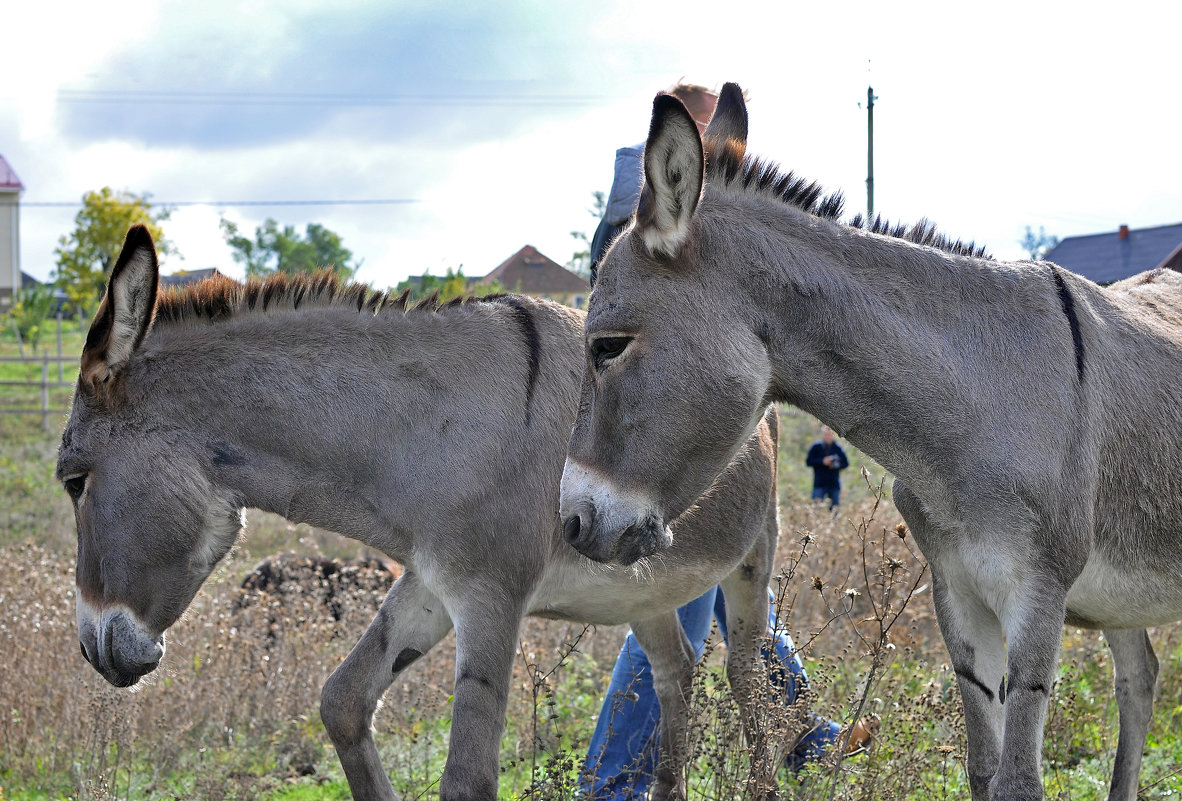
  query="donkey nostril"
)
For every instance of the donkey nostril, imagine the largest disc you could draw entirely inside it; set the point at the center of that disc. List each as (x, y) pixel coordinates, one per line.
(85, 655)
(571, 529)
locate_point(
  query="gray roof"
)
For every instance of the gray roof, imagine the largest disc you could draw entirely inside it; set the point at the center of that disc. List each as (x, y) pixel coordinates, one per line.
(1106, 257)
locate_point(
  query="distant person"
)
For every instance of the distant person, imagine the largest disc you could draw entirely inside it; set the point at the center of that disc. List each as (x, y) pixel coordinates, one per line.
(622, 753)
(827, 460)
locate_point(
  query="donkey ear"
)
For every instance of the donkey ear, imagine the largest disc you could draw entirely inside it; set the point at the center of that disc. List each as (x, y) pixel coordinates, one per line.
(673, 177)
(728, 126)
(125, 314)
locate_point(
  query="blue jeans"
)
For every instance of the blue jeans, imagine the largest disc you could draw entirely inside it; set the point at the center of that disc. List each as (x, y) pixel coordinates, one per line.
(622, 754)
(832, 493)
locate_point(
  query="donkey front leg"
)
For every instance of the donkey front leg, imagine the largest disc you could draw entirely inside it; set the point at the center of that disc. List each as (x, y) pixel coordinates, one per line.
(410, 622)
(1136, 676)
(976, 645)
(1034, 631)
(486, 637)
(672, 658)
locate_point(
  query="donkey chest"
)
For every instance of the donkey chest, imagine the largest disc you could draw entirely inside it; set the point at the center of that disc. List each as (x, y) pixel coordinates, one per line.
(994, 575)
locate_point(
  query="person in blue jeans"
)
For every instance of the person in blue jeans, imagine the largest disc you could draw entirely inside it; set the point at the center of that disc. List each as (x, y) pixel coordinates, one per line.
(622, 754)
(827, 460)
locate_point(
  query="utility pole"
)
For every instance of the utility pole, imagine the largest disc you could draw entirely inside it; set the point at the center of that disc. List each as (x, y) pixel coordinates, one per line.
(870, 98)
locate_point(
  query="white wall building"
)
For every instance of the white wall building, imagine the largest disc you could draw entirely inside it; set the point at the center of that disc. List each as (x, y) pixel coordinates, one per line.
(10, 242)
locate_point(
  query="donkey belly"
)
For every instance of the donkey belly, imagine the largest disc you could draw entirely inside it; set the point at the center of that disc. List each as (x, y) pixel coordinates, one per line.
(1113, 596)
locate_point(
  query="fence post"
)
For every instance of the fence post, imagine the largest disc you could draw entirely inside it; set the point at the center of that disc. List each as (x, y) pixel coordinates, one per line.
(59, 346)
(45, 391)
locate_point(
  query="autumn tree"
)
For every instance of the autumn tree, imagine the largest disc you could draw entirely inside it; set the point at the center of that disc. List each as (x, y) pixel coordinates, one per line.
(30, 309)
(86, 256)
(448, 286)
(274, 249)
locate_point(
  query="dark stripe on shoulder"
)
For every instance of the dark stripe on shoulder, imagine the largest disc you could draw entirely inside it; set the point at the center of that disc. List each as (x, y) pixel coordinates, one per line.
(1069, 310)
(533, 343)
(965, 675)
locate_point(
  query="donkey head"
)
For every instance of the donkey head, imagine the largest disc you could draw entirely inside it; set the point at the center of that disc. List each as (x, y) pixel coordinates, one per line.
(675, 380)
(151, 524)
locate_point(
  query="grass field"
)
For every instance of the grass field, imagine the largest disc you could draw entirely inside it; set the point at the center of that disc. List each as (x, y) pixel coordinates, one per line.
(232, 713)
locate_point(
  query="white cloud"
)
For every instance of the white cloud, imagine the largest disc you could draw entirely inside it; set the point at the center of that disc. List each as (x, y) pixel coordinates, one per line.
(989, 118)
(74, 36)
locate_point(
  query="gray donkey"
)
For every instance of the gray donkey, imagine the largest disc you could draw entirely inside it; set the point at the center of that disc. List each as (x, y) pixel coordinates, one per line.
(435, 435)
(1033, 419)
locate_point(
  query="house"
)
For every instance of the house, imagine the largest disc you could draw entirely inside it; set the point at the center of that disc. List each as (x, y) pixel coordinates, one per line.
(1109, 257)
(11, 277)
(186, 277)
(529, 272)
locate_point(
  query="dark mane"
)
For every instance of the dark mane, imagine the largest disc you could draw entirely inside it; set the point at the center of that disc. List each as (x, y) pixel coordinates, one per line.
(729, 167)
(219, 297)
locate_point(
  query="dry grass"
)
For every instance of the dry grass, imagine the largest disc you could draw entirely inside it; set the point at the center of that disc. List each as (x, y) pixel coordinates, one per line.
(232, 712)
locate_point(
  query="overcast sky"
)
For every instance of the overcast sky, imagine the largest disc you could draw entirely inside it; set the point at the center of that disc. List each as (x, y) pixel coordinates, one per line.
(498, 120)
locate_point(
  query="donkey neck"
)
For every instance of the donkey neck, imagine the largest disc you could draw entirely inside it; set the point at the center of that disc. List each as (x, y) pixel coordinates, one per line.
(356, 422)
(877, 336)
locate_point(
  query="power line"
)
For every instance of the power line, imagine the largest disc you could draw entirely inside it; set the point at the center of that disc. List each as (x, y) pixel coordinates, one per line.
(384, 201)
(320, 99)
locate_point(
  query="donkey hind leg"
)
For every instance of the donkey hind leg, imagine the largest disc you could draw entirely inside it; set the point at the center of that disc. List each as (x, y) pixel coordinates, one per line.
(746, 594)
(410, 622)
(672, 658)
(976, 646)
(486, 637)
(1136, 676)
(747, 606)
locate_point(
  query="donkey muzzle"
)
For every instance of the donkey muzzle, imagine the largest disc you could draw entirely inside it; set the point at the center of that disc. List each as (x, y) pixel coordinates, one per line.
(588, 534)
(607, 523)
(119, 648)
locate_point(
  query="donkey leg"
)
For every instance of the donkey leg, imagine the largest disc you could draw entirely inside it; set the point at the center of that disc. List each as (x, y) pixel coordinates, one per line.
(486, 637)
(410, 622)
(976, 645)
(1136, 677)
(1034, 631)
(672, 658)
(746, 595)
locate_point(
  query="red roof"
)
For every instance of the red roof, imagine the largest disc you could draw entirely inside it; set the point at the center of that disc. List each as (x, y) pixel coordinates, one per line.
(529, 271)
(8, 180)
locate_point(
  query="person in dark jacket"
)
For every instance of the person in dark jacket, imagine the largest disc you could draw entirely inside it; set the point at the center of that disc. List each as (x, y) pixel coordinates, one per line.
(827, 460)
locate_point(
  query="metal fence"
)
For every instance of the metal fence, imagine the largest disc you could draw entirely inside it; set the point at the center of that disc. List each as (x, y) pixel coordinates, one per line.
(44, 385)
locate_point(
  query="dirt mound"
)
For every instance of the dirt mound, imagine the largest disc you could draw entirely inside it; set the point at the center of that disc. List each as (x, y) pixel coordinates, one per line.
(292, 588)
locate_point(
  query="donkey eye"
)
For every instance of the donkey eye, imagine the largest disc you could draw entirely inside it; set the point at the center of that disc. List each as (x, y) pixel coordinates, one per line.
(75, 485)
(604, 349)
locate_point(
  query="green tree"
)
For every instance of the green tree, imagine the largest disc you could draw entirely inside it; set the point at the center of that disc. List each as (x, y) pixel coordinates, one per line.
(86, 256)
(580, 260)
(30, 309)
(1038, 244)
(449, 286)
(274, 249)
